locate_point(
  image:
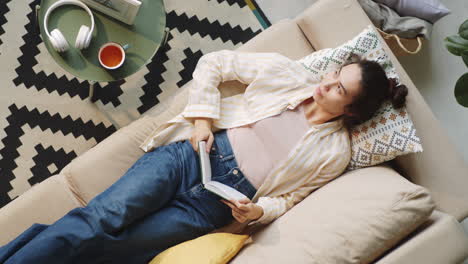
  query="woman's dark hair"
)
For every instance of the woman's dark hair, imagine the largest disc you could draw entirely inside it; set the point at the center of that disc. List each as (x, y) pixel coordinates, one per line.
(375, 89)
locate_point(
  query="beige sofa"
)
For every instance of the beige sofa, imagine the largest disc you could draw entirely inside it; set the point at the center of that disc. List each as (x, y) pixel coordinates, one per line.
(327, 23)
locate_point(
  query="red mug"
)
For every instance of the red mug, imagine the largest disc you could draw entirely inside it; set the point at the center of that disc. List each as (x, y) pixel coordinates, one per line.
(112, 55)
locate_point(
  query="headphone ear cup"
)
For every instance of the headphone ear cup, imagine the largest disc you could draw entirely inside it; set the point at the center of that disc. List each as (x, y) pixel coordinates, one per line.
(81, 38)
(60, 41)
(54, 43)
(87, 39)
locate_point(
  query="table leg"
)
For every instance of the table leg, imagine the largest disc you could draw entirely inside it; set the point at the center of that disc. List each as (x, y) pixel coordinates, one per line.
(91, 90)
(166, 34)
(36, 18)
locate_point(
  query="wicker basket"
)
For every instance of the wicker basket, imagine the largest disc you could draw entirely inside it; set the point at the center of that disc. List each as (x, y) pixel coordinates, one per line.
(402, 46)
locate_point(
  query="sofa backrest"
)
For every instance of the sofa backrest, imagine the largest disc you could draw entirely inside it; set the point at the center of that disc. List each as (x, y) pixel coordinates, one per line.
(440, 168)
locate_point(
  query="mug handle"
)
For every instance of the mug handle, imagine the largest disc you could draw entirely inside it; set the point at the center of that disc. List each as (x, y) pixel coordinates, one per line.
(126, 47)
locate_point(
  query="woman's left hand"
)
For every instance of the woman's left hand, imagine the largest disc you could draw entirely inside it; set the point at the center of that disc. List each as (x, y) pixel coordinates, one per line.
(244, 210)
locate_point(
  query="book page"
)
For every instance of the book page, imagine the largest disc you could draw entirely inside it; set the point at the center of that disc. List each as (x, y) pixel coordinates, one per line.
(227, 192)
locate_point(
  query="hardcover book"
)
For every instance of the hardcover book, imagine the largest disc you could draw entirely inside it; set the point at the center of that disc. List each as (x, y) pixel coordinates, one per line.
(122, 10)
(220, 189)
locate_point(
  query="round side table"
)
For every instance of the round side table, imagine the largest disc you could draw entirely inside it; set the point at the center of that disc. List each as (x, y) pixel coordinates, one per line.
(145, 36)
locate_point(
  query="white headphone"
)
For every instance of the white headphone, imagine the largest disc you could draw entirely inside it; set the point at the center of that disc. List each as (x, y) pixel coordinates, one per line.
(58, 41)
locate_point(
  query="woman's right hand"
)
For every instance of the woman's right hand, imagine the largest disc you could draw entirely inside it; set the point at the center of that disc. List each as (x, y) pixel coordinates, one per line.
(202, 132)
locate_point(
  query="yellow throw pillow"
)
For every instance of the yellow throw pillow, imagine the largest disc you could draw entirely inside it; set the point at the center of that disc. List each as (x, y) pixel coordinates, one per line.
(213, 248)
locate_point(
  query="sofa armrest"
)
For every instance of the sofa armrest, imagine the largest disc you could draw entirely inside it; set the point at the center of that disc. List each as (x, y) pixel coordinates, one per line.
(43, 203)
(440, 168)
(441, 239)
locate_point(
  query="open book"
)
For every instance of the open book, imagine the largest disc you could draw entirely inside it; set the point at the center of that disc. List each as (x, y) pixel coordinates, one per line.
(222, 190)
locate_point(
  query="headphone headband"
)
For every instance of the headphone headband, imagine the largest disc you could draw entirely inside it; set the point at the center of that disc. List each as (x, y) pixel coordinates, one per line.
(68, 2)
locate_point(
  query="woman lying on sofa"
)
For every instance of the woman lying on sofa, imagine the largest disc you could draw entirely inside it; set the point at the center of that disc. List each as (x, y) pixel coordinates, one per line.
(286, 136)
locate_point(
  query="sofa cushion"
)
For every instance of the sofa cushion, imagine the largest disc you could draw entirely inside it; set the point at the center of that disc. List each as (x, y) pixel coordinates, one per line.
(285, 37)
(43, 203)
(390, 132)
(353, 219)
(327, 24)
(424, 244)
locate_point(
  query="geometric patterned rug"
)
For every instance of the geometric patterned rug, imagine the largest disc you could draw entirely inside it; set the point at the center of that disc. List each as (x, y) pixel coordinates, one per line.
(46, 116)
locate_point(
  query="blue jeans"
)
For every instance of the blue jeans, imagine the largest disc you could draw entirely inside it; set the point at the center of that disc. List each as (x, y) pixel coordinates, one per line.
(158, 203)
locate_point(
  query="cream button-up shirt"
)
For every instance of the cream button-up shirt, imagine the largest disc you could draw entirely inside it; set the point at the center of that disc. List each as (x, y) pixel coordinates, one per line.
(275, 84)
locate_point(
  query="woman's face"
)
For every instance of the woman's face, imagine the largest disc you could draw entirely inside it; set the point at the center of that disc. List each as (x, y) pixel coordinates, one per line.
(338, 88)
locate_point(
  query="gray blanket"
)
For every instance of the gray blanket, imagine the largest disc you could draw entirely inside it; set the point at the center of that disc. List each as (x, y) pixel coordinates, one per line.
(390, 21)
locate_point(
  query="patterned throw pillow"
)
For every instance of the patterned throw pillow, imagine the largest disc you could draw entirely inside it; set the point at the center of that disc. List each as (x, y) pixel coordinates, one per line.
(390, 132)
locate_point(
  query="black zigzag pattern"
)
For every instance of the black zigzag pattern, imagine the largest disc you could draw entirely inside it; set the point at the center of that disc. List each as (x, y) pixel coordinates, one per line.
(3, 10)
(241, 3)
(44, 158)
(154, 78)
(190, 62)
(109, 93)
(214, 29)
(14, 131)
(194, 26)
